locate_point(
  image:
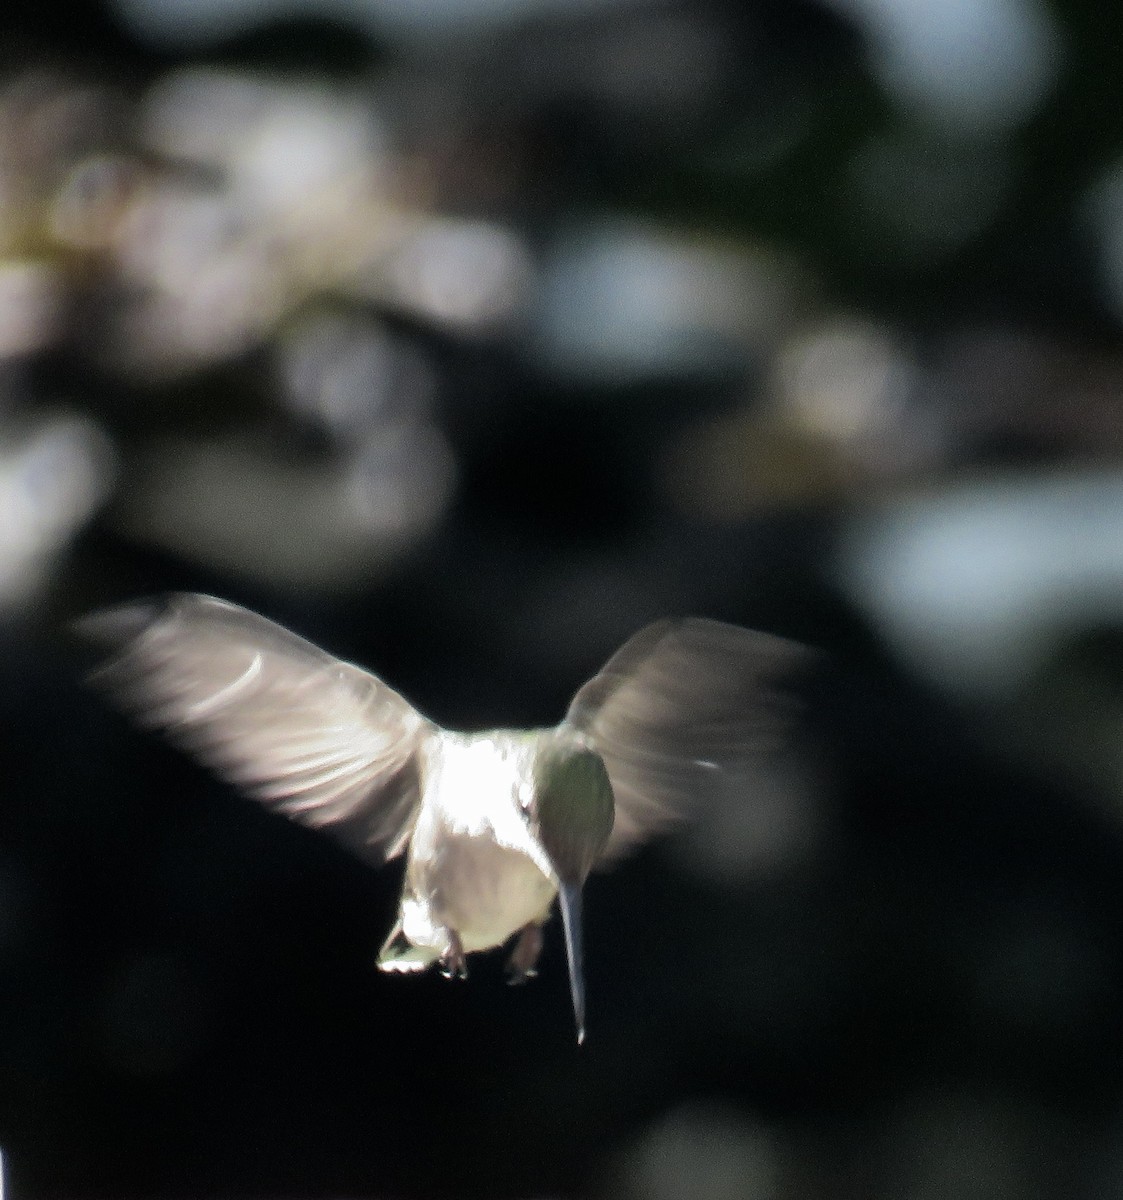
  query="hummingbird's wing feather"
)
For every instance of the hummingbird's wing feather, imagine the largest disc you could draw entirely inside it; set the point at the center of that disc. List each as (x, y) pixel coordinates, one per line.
(317, 739)
(682, 709)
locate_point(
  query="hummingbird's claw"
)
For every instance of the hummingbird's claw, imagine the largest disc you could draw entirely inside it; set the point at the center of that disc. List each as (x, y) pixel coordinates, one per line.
(454, 964)
(522, 964)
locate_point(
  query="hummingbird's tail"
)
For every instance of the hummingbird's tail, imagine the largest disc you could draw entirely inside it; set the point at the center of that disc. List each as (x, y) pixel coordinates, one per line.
(399, 954)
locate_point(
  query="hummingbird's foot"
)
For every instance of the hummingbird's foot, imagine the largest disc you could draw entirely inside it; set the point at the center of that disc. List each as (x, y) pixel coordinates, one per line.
(522, 964)
(454, 965)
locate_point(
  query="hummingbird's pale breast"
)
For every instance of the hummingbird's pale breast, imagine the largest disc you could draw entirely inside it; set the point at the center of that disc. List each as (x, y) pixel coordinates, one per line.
(473, 866)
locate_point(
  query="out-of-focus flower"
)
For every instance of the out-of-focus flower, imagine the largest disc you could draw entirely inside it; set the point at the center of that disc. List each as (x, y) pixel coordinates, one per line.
(739, 464)
(92, 201)
(346, 376)
(271, 191)
(53, 477)
(974, 583)
(838, 410)
(322, 519)
(623, 303)
(1008, 594)
(48, 122)
(470, 276)
(847, 382)
(322, 523)
(31, 294)
(274, 193)
(973, 64)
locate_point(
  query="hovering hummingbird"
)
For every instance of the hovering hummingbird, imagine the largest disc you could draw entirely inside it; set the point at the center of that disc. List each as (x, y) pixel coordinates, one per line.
(494, 825)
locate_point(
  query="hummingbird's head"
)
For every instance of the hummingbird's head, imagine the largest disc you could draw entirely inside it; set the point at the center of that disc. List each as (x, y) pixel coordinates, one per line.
(571, 812)
(572, 806)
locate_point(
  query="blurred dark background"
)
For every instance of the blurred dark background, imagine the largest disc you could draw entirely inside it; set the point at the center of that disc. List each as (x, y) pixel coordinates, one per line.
(465, 337)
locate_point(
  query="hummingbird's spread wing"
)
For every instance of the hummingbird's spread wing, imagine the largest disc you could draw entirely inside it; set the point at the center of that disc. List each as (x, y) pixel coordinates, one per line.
(315, 738)
(681, 709)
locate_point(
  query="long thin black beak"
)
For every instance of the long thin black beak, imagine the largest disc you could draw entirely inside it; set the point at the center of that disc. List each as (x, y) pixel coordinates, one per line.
(569, 898)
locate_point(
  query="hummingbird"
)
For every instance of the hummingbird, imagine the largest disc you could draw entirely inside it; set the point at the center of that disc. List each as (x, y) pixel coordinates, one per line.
(494, 825)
